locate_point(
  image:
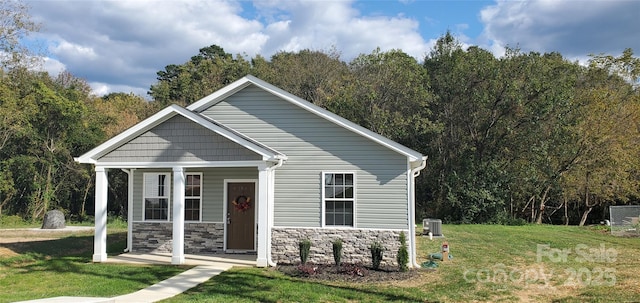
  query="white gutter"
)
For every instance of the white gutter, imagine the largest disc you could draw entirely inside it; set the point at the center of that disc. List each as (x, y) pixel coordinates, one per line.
(270, 210)
(412, 212)
(129, 173)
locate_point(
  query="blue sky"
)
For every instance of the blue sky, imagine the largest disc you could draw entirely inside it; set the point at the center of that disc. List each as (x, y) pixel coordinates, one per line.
(119, 45)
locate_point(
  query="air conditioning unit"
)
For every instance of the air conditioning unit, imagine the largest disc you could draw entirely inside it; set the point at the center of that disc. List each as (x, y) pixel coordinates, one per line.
(432, 225)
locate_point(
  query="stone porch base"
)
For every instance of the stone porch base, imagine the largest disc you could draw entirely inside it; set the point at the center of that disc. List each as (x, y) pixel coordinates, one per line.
(199, 238)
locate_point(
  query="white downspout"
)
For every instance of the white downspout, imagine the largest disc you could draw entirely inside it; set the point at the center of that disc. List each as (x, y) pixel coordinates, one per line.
(412, 211)
(129, 173)
(270, 210)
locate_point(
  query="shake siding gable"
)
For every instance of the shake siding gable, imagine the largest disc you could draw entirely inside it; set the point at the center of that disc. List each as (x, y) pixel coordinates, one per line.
(313, 145)
(179, 139)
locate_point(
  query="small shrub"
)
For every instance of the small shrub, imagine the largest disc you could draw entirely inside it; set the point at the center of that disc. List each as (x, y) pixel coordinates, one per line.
(353, 270)
(403, 253)
(305, 247)
(337, 251)
(376, 254)
(517, 222)
(308, 270)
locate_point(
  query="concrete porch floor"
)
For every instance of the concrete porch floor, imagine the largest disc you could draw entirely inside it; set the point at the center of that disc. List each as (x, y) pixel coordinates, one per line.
(246, 260)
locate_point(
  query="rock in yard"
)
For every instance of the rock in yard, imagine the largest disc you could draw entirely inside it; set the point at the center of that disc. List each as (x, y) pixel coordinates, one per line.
(53, 219)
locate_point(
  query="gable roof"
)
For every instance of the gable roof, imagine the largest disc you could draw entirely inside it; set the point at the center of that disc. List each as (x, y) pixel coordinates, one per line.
(93, 155)
(240, 84)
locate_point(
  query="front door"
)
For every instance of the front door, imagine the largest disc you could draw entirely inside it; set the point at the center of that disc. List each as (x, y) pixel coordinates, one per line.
(241, 209)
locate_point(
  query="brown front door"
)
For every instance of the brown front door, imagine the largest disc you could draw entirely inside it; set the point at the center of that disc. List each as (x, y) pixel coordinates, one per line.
(241, 207)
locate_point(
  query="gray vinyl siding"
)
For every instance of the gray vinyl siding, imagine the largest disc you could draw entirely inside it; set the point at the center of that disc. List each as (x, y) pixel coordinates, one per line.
(179, 139)
(313, 145)
(212, 189)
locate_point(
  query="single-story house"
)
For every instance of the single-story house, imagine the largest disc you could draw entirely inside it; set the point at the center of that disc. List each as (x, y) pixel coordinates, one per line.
(252, 168)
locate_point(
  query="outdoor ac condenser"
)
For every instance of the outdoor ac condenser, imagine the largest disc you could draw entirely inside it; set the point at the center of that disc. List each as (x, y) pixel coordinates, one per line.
(432, 225)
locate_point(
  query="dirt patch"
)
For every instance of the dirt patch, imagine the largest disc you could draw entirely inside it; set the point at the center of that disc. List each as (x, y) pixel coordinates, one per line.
(36, 234)
(6, 240)
(14, 239)
(348, 273)
(6, 253)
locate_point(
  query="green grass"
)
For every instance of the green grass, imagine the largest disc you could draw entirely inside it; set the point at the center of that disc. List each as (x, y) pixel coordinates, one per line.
(269, 285)
(492, 263)
(62, 267)
(482, 253)
(7, 222)
(16, 222)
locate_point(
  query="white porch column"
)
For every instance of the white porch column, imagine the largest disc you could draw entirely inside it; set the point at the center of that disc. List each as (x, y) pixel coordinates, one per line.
(263, 228)
(130, 177)
(178, 216)
(100, 235)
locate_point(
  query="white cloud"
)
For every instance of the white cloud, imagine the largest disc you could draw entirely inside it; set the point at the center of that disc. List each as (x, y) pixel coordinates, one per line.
(53, 66)
(101, 89)
(322, 24)
(573, 28)
(122, 44)
(79, 52)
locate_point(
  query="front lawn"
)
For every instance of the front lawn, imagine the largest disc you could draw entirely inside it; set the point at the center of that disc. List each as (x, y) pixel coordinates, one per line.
(43, 268)
(492, 263)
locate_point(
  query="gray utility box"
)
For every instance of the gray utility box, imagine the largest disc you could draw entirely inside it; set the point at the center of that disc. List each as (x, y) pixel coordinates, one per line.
(432, 225)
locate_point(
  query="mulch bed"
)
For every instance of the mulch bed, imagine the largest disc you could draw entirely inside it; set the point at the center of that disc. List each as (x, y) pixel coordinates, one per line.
(346, 272)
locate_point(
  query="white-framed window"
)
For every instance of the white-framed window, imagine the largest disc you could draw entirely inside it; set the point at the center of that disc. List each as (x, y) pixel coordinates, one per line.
(338, 198)
(156, 195)
(193, 197)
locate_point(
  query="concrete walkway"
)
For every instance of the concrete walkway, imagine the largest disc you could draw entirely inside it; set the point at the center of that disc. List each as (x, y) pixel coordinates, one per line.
(207, 266)
(173, 286)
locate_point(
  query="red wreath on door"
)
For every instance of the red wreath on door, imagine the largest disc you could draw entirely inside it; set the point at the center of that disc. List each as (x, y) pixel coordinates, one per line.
(242, 203)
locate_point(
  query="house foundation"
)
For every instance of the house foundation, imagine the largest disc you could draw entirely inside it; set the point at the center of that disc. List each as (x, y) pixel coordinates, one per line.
(355, 244)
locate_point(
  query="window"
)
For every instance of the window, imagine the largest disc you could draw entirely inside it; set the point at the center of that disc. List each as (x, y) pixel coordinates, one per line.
(156, 196)
(192, 197)
(339, 199)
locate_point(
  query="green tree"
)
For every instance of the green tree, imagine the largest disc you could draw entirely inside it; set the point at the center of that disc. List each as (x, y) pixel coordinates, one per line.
(387, 94)
(55, 127)
(203, 74)
(310, 75)
(466, 179)
(607, 170)
(504, 136)
(7, 187)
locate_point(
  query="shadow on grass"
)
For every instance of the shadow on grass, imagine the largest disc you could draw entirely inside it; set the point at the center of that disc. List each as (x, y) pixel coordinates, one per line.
(73, 255)
(70, 246)
(269, 286)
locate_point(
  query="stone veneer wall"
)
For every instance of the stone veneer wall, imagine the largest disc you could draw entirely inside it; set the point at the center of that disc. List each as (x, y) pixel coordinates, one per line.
(355, 244)
(198, 237)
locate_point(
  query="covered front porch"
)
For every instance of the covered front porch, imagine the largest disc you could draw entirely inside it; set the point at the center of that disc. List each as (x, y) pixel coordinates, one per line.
(160, 155)
(212, 231)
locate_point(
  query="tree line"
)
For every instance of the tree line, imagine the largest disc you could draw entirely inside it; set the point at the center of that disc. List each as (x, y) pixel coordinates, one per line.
(525, 136)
